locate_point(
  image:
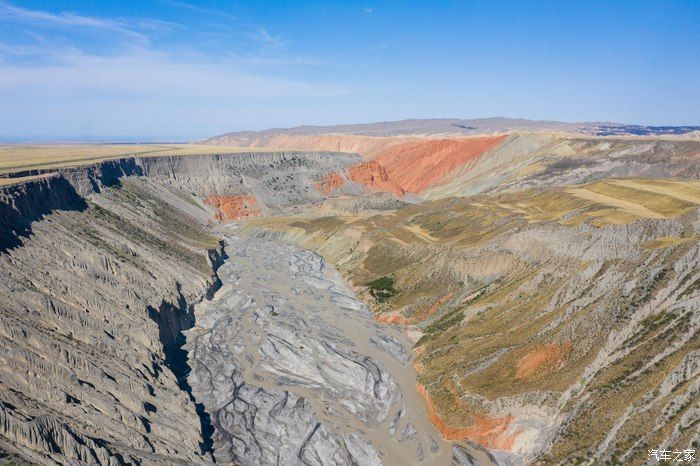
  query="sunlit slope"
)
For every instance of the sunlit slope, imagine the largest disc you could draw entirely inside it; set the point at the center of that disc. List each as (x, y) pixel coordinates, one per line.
(535, 159)
(418, 165)
(414, 162)
(442, 165)
(560, 323)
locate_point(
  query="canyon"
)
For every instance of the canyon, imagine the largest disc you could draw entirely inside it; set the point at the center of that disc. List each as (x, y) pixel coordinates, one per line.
(113, 277)
(405, 293)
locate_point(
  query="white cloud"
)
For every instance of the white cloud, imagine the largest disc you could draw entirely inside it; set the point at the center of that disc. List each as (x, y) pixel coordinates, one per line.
(262, 35)
(55, 78)
(135, 68)
(146, 74)
(196, 8)
(68, 19)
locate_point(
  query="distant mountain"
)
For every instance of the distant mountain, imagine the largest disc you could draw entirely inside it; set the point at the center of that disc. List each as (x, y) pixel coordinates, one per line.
(452, 126)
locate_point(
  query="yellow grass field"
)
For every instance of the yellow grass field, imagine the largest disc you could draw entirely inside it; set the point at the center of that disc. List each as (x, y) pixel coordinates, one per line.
(14, 158)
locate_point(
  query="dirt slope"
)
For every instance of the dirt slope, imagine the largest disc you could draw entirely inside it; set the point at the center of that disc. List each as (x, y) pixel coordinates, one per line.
(418, 165)
(560, 327)
(415, 163)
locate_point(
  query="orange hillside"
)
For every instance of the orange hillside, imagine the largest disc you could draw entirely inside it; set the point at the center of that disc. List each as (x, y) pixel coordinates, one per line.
(417, 165)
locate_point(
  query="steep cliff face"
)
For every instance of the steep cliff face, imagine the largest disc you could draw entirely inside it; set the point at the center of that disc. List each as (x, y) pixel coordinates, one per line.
(372, 175)
(413, 163)
(330, 183)
(24, 203)
(443, 165)
(84, 373)
(233, 207)
(419, 165)
(275, 180)
(100, 269)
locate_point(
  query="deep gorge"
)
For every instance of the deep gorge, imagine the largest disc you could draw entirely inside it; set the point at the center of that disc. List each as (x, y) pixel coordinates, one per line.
(103, 268)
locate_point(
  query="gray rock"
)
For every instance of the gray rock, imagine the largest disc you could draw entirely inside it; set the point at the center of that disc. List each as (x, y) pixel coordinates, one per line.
(283, 359)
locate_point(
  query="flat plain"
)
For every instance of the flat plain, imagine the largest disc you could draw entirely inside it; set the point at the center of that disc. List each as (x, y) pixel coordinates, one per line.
(22, 157)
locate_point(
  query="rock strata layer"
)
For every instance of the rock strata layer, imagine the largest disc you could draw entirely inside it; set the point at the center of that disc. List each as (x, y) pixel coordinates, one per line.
(91, 302)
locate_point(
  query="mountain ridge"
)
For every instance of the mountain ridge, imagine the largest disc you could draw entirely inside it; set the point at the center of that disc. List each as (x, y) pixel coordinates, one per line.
(465, 126)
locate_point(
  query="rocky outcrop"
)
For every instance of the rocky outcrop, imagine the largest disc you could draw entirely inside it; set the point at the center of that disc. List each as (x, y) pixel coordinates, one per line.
(330, 183)
(487, 431)
(372, 175)
(418, 165)
(233, 207)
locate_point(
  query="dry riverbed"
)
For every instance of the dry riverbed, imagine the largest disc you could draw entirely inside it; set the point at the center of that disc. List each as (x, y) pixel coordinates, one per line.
(293, 370)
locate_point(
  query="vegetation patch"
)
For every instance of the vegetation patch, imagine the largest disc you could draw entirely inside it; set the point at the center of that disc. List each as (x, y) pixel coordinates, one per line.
(441, 325)
(382, 288)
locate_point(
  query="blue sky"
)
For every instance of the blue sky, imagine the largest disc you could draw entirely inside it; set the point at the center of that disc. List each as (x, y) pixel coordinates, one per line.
(180, 69)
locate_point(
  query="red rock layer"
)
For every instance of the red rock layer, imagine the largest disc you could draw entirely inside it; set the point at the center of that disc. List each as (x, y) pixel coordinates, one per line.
(488, 431)
(330, 183)
(373, 175)
(389, 318)
(417, 165)
(234, 207)
(549, 357)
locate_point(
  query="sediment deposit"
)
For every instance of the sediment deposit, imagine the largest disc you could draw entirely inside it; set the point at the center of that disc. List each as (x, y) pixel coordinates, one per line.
(292, 368)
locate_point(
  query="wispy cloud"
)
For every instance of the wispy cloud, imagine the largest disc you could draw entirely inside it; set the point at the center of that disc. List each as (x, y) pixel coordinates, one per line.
(260, 34)
(150, 75)
(196, 8)
(255, 32)
(105, 71)
(158, 25)
(42, 66)
(68, 19)
(278, 59)
(368, 11)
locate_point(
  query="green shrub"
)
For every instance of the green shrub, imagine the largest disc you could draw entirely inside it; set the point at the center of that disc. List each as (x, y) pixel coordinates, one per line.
(382, 288)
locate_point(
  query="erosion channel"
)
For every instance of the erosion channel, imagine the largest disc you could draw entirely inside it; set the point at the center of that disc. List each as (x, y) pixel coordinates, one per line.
(292, 368)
